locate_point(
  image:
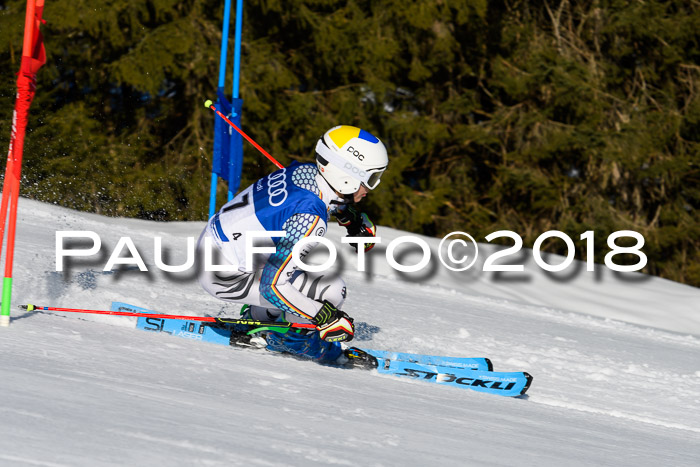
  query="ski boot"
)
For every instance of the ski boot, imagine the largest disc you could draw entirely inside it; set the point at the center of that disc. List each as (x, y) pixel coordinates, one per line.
(241, 335)
(358, 358)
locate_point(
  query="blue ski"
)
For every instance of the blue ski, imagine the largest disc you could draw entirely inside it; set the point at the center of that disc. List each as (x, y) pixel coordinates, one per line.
(511, 384)
(194, 330)
(465, 373)
(455, 362)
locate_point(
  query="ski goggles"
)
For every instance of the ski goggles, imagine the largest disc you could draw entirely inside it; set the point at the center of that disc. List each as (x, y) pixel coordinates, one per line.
(369, 177)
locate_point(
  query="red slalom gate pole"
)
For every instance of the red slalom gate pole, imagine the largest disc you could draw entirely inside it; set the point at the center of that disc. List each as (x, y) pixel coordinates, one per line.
(209, 105)
(207, 319)
(33, 57)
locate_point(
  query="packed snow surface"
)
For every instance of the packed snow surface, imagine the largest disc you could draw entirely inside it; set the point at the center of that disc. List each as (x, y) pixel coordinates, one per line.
(615, 360)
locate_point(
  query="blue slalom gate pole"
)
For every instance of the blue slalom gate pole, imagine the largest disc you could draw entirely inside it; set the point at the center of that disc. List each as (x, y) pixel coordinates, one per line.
(237, 48)
(234, 179)
(224, 44)
(228, 146)
(222, 80)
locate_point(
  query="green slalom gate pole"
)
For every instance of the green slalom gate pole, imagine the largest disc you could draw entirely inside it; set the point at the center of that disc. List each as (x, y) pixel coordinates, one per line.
(6, 297)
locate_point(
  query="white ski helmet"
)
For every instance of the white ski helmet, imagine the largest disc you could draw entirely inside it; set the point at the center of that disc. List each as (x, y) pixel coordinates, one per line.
(347, 157)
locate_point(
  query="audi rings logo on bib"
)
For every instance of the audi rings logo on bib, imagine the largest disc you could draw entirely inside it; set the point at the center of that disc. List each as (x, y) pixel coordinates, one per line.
(277, 188)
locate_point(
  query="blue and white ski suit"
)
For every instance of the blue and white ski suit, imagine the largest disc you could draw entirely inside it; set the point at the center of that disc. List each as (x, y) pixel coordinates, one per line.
(298, 201)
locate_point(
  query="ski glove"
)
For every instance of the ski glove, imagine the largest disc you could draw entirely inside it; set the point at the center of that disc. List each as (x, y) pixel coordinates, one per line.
(332, 324)
(357, 224)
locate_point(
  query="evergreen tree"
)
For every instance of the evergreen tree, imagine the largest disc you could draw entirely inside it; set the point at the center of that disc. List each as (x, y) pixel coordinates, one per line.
(498, 114)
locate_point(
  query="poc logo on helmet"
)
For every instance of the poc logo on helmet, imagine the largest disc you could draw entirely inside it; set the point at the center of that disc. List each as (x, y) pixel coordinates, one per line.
(355, 170)
(356, 153)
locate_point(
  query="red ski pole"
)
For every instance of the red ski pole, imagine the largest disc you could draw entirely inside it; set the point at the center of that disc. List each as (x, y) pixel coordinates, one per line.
(207, 319)
(209, 105)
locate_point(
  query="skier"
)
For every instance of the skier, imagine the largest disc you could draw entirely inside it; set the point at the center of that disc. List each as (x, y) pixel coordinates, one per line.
(297, 200)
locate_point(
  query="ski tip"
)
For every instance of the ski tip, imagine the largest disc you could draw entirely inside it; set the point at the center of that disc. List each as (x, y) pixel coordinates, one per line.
(528, 376)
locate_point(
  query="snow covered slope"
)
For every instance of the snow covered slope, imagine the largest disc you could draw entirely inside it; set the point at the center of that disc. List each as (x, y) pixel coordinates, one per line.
(616, 366)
